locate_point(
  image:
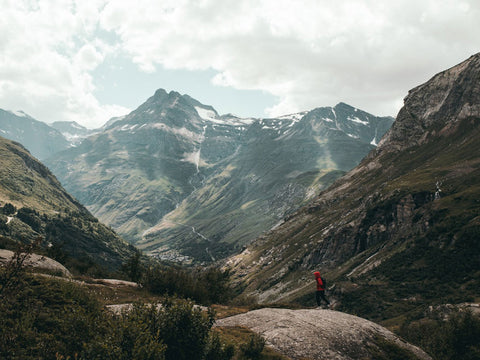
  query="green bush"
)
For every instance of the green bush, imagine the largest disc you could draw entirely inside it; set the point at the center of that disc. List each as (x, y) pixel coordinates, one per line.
(216, 350)
(184, 328)
(129, 336)
(134, 268)
(253, 348)
(206, 286)
(8, 209)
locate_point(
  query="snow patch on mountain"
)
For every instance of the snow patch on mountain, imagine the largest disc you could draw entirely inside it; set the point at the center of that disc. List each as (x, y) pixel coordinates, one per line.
(128, 127)
(18, 113)
(211, 116)
(357, 120)
(207, 114)
(334, 113)
(295, 117)
(73, 138)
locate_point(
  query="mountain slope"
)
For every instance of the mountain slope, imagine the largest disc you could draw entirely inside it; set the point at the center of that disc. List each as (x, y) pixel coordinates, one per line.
(39, 138)
(33, 204)
(179, 180)
(401, 229)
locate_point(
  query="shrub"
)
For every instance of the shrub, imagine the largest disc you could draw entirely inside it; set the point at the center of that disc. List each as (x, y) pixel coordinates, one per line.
(8, 209)
(215, 350)
(205, 286)
(43, 318)
(133, 268)
(253, 348)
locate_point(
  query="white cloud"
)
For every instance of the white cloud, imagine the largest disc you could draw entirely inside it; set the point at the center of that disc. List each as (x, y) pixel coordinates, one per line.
(48, 50)
(307, 53)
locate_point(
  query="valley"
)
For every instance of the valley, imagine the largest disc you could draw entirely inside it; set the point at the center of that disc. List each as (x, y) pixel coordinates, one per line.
(174, 165)
(237, 213)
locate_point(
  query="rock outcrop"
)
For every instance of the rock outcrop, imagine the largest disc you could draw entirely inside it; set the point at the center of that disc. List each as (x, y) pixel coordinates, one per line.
(322, 334)
(36, 261)
(449, 97)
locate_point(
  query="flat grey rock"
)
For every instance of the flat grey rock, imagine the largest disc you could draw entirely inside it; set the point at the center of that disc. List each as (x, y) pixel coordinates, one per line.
(317, 333)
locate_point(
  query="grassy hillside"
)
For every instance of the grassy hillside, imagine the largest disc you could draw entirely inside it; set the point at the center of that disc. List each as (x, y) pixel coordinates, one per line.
(34, 205)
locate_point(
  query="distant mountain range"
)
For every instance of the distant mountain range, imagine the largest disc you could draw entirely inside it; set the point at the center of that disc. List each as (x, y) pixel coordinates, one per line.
(401, 230)
(41, 139)
(183, 182)
(72, 131)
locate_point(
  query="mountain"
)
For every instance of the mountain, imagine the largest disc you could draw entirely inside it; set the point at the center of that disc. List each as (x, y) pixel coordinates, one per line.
(278, 164)
(399, 231)
(72, 131)
(181, 181)
(39, 138)
(34, 205)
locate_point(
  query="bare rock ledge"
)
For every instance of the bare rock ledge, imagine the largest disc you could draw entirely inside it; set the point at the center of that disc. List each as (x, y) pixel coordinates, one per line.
(318, 334)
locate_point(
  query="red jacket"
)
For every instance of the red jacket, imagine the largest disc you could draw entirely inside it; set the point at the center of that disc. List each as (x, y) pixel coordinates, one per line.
(318, 278)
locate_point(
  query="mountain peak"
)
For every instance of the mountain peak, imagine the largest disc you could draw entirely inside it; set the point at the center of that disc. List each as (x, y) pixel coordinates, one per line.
(448, 97)
(345, 106)
(160, 93)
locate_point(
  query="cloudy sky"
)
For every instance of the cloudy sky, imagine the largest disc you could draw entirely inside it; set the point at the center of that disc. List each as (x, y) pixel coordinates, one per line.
(90, 60)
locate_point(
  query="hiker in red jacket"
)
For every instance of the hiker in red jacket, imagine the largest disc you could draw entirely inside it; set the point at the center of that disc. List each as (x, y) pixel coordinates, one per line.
(320, 294)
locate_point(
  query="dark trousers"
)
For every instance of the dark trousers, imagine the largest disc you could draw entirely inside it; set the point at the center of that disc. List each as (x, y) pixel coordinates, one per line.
(320, 295)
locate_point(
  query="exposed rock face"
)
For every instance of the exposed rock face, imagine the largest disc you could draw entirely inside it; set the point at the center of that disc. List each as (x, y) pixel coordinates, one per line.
(446, 99)
(319, 334)
(409, 206)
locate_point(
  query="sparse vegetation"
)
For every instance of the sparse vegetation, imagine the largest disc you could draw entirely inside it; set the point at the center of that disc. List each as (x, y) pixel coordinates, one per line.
(51, 319)
(445, 336)
(382, 349)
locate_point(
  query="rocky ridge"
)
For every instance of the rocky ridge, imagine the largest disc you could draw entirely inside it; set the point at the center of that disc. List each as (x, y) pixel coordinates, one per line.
(39, 138)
